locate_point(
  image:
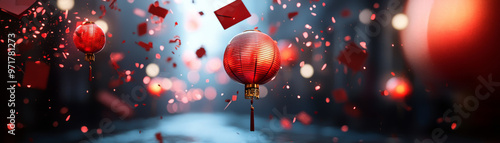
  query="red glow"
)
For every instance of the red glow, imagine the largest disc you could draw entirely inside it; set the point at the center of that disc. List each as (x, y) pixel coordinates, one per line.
(89, 38)
(397, 87)
(246, 62)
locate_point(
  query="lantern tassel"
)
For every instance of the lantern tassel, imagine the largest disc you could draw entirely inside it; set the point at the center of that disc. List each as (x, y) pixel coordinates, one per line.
(90, 71)
(252, 128)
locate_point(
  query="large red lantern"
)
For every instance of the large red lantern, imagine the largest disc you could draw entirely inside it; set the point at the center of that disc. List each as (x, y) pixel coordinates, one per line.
(252, 58)
(455, 40)
(89, 39)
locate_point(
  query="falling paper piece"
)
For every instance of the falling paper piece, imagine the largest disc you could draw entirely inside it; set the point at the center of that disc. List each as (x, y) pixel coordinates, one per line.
(142, 28)
(339, 95)
(304, 118)
(157, 10)
(17, 8)
(103, 10)
(200, 52)
(159, 137)
(292, 14)
(145, 46)
(353, 56)
(232, 14)
(36, 74)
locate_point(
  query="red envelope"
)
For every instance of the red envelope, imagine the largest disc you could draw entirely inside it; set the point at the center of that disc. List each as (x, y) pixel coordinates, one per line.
(232, 13)
(16, 7)
(353, 56)
(158, 11)
(36, 75)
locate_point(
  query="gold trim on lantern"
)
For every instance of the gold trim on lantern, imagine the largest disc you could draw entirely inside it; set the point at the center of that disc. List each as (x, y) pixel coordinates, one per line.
(88, 22)
(251, 91)
(90, 57)
(252, 30)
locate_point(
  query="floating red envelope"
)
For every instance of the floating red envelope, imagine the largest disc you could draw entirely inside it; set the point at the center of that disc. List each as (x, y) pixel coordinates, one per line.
(36, 75)
(142, 28)
(353, 56)
(158, 11)
(144, 45)
(16, 7)
(232, 13)
(292, 14)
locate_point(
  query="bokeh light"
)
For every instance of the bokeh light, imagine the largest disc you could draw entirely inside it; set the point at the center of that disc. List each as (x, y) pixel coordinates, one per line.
(65, 4)
(103, 25)
(152, 70)
(400, 21)
(365, 15)
(307, 71)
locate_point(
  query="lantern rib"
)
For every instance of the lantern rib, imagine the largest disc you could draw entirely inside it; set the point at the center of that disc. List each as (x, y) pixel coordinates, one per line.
(255, 69)
(270, 67)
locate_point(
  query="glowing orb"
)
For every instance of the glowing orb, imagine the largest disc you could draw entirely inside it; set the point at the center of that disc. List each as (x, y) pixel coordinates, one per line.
(65, 4)
(307, 71)
(400, 21)
(103, 25)
(152, 70)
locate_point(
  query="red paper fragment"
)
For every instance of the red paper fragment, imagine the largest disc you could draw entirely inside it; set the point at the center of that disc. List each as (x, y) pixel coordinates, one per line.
(353, 56)
(169, 59)
(159, 137)
(145, 46)
(232, 14)
(157, 10)
(103, 10)
(292, 14)
(112, 101)
(36, 75)
(142, 28)
(345, 13)
(286, 123)
(200, 52)
(339, 95)
(304, 118)
(201, 13)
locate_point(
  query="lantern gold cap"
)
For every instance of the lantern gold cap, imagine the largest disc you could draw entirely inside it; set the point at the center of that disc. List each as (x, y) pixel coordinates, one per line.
(88, 22)
(252, 30)
(251, 91)
(90, 57)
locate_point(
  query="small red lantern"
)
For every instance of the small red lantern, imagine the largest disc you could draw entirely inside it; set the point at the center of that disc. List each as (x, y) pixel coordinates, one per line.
(252, 58)
(89, 39)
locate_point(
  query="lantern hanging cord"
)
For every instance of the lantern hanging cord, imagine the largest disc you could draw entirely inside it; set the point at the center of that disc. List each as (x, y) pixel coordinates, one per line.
(90, 71)
(252, 128)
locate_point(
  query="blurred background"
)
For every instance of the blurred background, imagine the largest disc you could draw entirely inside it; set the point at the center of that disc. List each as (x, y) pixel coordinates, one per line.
(352, 71)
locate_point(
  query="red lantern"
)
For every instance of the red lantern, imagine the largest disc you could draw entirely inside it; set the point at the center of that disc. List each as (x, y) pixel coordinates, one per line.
(89, 39)
(252, 58)
(455, 40)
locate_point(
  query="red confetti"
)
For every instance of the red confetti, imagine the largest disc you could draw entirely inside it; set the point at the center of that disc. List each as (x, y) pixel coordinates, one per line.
(353, 56)
(36, 74)
(339, 95)
(169, 59)
(344, 128)
(142, 29)
(67, 118)
(84, 129)
(103, 10)
(200, 52)
(176, 24)
(145, 46)
(201, 13)
(292, 14)
(159, 137)
(345, 13)
(304, 118)
(157, 10)
(234, 98)
(232, 13)
(286, 123)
